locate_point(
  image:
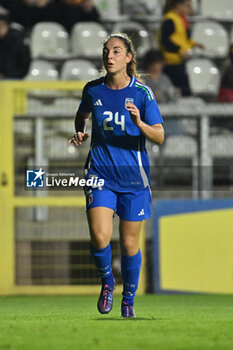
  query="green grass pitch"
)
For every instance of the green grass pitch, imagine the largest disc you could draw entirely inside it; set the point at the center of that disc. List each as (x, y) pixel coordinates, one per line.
(73, 323)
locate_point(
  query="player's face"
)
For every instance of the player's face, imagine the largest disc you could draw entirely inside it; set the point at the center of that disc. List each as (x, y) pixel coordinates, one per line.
(115, 57)
(155, 69)
(186, 8)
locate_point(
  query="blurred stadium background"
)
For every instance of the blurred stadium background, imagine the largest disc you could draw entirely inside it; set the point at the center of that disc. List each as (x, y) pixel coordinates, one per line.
(44, 235)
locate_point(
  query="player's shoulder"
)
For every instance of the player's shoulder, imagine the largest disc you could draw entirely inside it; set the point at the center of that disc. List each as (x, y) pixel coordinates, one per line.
(94, 83)
(143, 89)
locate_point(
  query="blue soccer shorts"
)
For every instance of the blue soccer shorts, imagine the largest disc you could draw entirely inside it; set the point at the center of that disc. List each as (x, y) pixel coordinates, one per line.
(130, 206)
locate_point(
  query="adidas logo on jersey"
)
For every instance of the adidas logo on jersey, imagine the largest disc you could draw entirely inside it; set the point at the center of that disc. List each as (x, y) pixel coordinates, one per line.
(98, 103)
(141, 213)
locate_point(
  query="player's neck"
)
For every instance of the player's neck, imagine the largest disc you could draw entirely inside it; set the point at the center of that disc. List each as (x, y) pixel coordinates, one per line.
(117, 81)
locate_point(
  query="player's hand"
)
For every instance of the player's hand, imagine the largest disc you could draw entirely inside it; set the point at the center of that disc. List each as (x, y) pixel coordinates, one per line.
(134, 113)
(78, 138)
(186, 54)
(201, 46)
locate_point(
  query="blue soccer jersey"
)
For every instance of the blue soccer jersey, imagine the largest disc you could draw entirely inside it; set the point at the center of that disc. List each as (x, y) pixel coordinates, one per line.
(118, 154)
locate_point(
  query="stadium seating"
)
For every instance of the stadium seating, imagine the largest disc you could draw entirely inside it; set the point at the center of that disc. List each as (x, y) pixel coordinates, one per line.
(222, 10)
(108, 9)
(231, 35)
(34, 106)
(177, 147)
(66, 105)
(42, 70)
(213, 36)
(221, 149)
(188, 102)
(196, 6)
(86, 39)
(49, 40)
(137, 33)
(221, 146)
(143, 8)
(55, 147)
(204, 77)
(189, 125)
(78, 70)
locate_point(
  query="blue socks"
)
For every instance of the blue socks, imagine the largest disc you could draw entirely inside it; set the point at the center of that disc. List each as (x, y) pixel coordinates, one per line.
(130, 270)
(102, 260)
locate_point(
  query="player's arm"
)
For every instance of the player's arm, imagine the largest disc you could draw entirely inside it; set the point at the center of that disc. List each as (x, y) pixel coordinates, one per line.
(80, 123)
(155, 132)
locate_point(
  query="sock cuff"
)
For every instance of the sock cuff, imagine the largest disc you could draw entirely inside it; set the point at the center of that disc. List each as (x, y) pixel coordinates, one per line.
(96, 250)
(132, 260)
(131, 257)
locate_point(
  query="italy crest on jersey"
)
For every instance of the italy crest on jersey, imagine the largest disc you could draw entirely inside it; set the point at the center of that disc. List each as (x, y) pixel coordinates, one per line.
(129, 100)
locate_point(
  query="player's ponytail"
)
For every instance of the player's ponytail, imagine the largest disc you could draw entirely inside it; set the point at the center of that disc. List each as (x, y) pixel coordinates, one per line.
(132, 65)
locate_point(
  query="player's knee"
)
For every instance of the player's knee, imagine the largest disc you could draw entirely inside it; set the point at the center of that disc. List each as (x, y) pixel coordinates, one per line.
(129, 247)
(99, 239)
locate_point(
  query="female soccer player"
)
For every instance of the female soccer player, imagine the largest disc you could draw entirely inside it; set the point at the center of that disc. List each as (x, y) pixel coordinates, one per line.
(124, 112)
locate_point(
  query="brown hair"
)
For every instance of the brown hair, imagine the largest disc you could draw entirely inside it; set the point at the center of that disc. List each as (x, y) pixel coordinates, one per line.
(171, 4)
(132, 65)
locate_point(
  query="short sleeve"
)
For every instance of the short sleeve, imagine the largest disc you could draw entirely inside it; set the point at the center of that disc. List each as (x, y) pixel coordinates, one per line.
(151, 110)
(85, 105)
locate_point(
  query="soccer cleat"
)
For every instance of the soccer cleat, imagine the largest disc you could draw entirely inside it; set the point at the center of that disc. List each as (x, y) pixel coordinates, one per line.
(105, 301)
(127, 311)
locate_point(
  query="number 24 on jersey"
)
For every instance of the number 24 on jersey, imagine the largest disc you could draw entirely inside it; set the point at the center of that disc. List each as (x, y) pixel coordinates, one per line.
(117, 120)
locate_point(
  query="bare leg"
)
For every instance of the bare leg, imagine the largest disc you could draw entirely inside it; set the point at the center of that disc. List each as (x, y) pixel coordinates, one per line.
(129, 236)
(100, 226)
